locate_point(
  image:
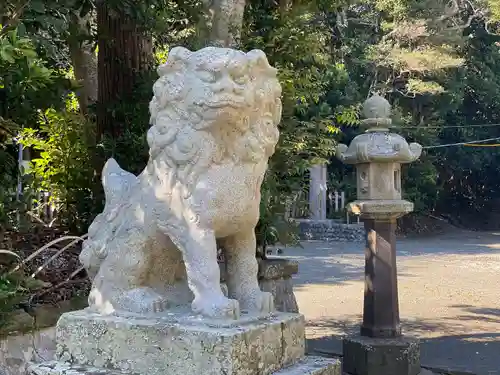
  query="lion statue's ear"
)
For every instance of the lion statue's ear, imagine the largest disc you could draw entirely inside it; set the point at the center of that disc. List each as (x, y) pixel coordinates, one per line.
(258, 60)
(177, 58)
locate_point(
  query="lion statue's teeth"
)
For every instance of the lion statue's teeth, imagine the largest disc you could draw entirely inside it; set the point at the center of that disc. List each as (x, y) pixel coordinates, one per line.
(214, 118)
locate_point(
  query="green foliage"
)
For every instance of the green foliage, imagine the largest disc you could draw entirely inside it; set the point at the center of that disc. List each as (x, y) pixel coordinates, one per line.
(298, 46)
(27, 82)
(435, 66)
(9, 168)
(274, 226)
(11, 293)
(438, 65)
(130, 147)
(317, 100)
(63, 166)
(26, 85)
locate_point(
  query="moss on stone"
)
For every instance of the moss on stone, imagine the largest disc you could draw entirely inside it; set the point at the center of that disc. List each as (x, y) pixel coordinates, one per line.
(19, 321)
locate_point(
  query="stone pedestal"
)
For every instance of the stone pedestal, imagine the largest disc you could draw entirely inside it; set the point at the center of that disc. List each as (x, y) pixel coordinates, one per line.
(275, 277)
(180, 343)
(372, 356)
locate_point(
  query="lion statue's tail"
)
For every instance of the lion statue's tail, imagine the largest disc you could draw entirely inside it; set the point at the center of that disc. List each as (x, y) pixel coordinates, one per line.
(117, 184)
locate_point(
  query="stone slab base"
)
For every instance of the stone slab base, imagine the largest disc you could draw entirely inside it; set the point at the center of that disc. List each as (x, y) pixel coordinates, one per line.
(370, 356)
(313, 366)
(179, 343)
(307, 366)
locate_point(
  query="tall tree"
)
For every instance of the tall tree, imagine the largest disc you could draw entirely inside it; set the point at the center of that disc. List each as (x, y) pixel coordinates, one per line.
(125, 52)
(224, 21)
(83, 56)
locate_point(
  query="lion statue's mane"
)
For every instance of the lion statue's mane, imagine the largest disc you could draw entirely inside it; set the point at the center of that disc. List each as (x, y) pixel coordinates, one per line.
(183, 138)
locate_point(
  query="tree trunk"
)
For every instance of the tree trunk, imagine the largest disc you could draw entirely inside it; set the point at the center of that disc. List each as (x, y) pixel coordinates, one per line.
(226, 22)
(84, 60)
(125, 52)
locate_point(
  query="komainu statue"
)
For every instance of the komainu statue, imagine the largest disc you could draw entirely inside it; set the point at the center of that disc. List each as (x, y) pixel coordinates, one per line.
(214, 117)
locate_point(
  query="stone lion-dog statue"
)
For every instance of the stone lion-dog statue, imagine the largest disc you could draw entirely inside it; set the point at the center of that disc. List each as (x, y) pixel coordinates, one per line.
(214, 117)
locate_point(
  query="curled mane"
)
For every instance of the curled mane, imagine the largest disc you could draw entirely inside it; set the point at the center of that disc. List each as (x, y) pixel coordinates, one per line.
(181, 136)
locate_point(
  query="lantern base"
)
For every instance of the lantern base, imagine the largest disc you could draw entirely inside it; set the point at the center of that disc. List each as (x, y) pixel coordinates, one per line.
(375, 356)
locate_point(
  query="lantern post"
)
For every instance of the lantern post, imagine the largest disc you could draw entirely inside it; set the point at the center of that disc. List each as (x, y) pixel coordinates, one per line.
(377, 154)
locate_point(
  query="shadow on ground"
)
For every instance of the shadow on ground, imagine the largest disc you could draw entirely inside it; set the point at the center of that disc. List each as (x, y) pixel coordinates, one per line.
(445, 352)
(333, 263)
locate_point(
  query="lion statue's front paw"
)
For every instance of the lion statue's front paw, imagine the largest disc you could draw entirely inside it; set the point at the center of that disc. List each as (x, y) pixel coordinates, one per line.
(217, 306)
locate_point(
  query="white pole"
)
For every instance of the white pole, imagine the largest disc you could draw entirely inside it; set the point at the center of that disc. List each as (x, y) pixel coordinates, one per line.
(20, 171)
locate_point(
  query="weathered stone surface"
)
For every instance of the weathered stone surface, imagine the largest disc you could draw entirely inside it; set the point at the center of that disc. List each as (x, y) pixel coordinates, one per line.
(370, 356)
(313, 366)
(214, 117)
(377, 145)
(274, 269)
(275, 277)
(157, 304)
(380, 209)
(16, 352)
(22, 342)
(282, 291)
(180, 343)
(59, 368)
(308, 366)
(318, 188)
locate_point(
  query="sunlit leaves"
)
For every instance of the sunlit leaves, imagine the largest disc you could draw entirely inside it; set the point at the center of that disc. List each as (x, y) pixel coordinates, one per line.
(417, 86)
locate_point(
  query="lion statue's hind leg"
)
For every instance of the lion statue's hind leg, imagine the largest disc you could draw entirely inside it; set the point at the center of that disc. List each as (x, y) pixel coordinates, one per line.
(123, 282)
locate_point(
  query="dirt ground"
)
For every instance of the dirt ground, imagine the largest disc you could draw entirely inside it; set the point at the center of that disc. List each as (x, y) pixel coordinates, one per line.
(448, 292)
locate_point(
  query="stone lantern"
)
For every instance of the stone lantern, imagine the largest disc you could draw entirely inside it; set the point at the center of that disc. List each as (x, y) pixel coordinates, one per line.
(378, 155)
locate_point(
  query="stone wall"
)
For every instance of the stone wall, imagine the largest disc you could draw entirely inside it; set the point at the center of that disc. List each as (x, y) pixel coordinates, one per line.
(330, 230)
(17, 351)
(22, 341)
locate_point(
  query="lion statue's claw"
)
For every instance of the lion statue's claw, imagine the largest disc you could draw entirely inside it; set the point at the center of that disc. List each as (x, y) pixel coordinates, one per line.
(265, 303)
(217, 307)
(262, 303)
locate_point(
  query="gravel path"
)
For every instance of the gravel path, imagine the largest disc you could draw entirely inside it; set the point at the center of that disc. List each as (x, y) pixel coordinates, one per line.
(448, 291)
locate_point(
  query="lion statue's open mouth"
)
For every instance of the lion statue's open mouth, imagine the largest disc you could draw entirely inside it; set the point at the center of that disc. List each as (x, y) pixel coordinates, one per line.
(224, 102)
(214, 118)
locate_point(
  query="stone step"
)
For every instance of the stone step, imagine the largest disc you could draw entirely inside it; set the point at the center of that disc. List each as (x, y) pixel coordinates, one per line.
(60, 368)
(308, 366)
(313, 366)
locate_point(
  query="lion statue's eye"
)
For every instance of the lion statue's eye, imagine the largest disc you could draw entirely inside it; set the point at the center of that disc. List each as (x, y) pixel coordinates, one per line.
(206, 75)
(240, 79)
